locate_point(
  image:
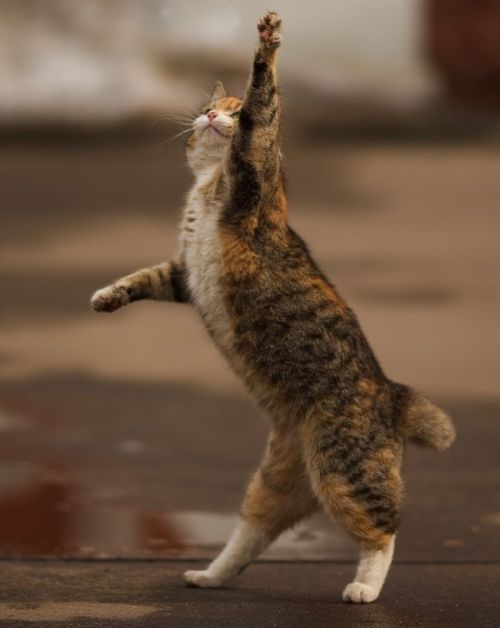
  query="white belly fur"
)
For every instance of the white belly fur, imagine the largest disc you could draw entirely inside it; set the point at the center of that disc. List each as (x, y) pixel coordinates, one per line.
(200, 244)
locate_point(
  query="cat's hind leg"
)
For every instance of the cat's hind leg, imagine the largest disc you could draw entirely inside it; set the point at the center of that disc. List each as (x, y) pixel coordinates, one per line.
(372, 525)
(244, 546)
(278, 496)
(371, 573)
(355, 474)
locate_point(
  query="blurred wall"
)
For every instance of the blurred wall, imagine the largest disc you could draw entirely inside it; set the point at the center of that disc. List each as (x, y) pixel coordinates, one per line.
(357, 47)
(103, 60)
(90, 61)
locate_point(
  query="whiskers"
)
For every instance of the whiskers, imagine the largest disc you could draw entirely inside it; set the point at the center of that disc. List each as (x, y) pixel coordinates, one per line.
(175, 119)
(185, 119)
(169, 140)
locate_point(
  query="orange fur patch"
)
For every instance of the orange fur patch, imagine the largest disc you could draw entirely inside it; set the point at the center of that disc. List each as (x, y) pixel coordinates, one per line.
(228, 103)
(238, 258)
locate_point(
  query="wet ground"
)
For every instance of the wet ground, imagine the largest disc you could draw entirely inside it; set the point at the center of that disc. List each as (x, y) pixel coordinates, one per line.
(126, 436)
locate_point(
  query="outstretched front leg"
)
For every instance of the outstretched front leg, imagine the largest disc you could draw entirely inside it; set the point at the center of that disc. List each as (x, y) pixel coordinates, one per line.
(255, 160)
(165, 282)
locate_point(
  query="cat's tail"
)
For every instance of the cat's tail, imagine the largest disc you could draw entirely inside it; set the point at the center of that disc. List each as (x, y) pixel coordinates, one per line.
(425, 424)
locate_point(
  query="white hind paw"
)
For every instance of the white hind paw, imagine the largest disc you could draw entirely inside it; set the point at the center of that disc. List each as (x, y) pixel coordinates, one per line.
(359, 593)
(201, 579)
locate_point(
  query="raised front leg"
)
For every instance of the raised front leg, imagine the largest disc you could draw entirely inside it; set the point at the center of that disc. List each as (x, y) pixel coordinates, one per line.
(165, 282)
(255, 160)
(261, 105)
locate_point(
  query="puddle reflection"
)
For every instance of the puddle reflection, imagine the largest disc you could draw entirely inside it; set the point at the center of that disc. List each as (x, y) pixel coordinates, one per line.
(43, 514)
(38, 518)
(50, 508)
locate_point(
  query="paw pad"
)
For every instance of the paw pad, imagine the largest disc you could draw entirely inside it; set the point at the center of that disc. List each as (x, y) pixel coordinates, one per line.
(269, 30)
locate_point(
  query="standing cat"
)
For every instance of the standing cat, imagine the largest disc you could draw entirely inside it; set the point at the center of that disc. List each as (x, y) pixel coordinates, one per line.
(338, 425)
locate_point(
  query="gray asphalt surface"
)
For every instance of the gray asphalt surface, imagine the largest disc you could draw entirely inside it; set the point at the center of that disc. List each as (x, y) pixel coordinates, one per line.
(293, 595)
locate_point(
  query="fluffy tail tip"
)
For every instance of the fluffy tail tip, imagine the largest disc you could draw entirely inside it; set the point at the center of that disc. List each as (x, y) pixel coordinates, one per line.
(425, 424)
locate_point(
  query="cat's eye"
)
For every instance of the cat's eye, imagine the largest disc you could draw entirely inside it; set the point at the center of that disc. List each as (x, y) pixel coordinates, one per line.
(235, 114)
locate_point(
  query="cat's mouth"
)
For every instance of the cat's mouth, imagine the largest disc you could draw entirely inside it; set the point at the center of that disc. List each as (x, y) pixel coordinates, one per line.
(213, 128)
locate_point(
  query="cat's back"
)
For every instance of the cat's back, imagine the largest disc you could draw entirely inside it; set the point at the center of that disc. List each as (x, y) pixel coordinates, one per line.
(290, 323)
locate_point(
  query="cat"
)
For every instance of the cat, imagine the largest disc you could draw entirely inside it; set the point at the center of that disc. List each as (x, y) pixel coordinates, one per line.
(338, 424)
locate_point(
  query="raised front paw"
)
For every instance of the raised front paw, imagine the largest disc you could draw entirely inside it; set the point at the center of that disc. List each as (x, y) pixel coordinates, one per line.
(269, 30)
(109, 299)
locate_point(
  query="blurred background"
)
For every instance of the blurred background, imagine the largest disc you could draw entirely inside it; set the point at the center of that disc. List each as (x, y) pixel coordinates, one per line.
(126, 435)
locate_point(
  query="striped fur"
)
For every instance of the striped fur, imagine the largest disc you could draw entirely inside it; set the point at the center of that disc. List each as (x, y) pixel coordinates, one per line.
(338, 423)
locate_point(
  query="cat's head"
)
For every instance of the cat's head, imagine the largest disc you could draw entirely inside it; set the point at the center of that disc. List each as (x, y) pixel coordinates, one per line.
(213, 129)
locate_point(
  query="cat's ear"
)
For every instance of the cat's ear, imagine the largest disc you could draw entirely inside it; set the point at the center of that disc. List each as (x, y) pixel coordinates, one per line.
(218, 91)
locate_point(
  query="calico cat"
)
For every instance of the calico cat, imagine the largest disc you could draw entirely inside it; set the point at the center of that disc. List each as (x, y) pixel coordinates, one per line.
(338, 424)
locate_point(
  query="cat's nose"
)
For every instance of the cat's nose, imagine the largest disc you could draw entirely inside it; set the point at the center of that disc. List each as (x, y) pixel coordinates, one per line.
(211, 115)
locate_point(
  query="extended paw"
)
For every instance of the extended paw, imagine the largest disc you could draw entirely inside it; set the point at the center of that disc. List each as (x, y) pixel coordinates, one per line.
(109, 299)
(359, 593)
(269, 30)
(201, 579)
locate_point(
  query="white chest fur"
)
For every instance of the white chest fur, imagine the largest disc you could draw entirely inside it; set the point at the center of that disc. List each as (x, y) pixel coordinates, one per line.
(201, 249)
